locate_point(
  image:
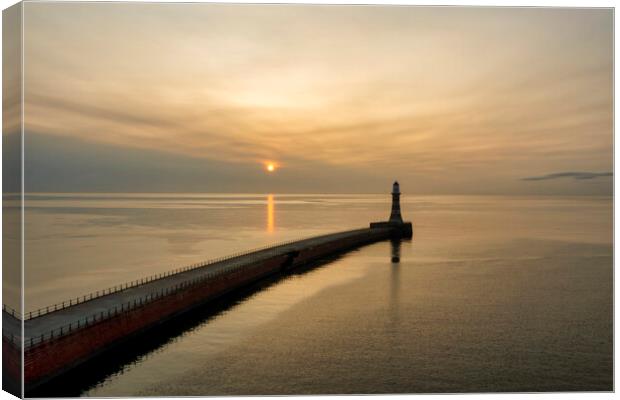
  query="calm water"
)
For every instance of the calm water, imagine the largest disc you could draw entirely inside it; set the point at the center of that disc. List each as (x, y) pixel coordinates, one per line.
(492, 294)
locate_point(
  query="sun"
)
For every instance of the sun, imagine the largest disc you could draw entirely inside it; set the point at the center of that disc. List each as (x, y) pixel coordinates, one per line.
(270, 167)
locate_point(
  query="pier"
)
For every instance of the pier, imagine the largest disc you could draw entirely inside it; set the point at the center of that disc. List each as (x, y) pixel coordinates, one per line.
(62, 336)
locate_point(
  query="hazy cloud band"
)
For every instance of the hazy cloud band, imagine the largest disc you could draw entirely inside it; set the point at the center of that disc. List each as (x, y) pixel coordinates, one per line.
(574, 175)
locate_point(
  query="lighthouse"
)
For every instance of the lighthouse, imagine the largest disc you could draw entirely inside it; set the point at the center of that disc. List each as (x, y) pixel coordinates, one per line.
(398, 227)
(395, 216)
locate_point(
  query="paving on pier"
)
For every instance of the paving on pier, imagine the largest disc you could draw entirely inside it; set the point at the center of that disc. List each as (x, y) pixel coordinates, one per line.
(42, 325)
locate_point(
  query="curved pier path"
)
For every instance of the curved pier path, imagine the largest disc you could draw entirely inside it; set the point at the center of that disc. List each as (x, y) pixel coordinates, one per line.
(62, 336)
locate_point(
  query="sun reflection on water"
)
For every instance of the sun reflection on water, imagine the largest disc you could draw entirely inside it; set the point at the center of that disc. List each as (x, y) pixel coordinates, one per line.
(270, 214)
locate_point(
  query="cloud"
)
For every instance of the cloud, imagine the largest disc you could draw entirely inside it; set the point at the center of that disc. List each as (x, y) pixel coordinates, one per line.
(574, 175)
(434, 96)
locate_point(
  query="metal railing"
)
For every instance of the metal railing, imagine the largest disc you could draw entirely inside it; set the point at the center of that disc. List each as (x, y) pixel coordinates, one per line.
(131, 305)
(125, 307)
(11, 311)
(124, 286)
(7, 334)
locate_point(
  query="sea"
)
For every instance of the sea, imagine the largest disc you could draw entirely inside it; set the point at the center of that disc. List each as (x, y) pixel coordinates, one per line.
(492, 293)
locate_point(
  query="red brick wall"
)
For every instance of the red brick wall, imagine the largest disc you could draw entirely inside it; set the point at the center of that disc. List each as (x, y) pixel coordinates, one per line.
(311, 254)
(52, 357)
(11, 366)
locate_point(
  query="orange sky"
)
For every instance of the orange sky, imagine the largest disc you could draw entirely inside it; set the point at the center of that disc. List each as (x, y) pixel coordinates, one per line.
(445, 99)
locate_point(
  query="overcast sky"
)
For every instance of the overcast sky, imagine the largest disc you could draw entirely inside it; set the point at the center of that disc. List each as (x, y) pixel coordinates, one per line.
(197, 97)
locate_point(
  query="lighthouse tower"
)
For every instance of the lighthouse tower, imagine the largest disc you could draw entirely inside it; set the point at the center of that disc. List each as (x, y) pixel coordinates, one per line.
(395, 216)
(396, 226)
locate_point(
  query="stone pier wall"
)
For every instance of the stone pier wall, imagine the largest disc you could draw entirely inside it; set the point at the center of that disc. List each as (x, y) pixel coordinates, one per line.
(53, 357)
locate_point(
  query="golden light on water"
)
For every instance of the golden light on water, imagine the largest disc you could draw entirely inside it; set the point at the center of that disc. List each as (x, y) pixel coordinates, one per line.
(270, 214)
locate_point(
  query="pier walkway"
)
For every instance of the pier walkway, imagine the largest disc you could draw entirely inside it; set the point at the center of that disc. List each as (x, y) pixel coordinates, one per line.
(62, 321)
